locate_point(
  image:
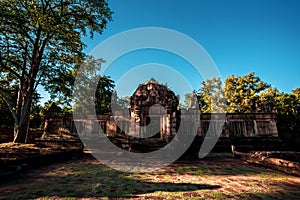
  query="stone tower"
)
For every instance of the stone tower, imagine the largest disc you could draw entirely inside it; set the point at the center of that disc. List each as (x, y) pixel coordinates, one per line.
(153, 107)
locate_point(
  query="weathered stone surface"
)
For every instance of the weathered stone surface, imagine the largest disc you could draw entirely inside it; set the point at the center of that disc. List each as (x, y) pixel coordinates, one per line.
(246, 125)
(153, 103)
(156, 104)
(269, 160)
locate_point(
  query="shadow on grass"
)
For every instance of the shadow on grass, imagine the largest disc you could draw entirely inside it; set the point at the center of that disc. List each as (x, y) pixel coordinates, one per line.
(89, 179)
(217, 166)
(96, 180)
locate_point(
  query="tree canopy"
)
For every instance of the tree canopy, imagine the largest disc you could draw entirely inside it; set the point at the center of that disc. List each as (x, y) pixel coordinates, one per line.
(242, 93)
(246, 94)
(212, 96)
(41, 44)
(92, 89)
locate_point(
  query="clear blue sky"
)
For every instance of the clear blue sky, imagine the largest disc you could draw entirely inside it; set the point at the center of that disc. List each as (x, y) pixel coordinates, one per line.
(241, 36)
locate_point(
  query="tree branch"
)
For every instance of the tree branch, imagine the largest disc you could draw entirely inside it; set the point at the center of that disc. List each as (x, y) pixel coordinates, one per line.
(9, 106)
(7, 68)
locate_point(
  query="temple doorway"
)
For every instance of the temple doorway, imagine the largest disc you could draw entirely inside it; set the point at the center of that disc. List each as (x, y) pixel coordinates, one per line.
(153, 107)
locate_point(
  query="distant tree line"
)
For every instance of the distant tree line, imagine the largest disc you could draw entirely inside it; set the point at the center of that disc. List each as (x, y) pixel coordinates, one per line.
(239, 94)
(249, 94)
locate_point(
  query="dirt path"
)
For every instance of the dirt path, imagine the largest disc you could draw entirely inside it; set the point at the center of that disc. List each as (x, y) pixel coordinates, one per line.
(216, 177)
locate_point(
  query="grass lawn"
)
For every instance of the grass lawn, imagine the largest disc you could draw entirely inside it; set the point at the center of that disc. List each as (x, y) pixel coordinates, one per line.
(215, 177)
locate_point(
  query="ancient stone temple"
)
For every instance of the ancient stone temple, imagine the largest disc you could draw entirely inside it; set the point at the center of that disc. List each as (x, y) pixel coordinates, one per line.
(156, 104)
(153, 114)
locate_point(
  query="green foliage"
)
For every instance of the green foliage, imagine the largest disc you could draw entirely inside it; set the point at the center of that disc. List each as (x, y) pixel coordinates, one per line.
(268, 95)
(36, 117)
(41, 44)
(211, 96)
(249, 94)
(121, 103)
(296, 92)
(103, 95)
(6, 119)
(286, 104)
(239, 95)
(242, 93)
(288, 109)
(92, 89)
(187, 101)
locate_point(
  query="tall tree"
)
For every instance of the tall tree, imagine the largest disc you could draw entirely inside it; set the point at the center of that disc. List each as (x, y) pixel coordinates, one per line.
(212, 96)
(92, 88)
(267, 100)
(103, 95)
(41, 43)
(242, 93)
(288, 117)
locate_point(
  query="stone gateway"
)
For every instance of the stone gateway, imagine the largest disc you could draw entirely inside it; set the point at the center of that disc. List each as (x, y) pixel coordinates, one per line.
(153, 107)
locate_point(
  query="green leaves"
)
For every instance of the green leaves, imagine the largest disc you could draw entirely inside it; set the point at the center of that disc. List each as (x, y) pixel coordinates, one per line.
(245, 94)
(242, 93)
(212, 96)
(41, 44)
(92, 89)
(45, 36)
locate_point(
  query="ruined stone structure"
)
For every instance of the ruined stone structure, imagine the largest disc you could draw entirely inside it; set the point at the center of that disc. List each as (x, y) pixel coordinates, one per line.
(155, 103)
(154, 114)
(243, 125)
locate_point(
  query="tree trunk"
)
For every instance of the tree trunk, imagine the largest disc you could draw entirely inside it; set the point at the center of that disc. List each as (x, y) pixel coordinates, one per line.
(21, 129)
